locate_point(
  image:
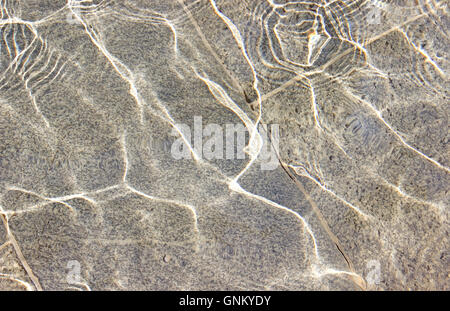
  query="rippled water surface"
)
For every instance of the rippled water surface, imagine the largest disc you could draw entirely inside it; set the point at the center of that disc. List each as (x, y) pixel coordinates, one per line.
(116, 123)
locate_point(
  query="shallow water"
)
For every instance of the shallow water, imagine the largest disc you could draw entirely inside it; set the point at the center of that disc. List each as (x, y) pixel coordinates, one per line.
(120, 167)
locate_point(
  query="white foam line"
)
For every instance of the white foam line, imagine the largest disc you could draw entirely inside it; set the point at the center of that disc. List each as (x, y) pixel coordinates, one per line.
(406, 195)
(237, 188)
(19, 253)
(334, 272)
(423, 53)
(59, 200)
(125, 73)
(219, 93)
(18, 60)
(314, 106)
(324, 188)
(171, 121)
(36, 73)
(6, 42)
(157, 199)
(27, 285)
(380, 117)
(254, 133)
(58, 57)
(123, 144)
(41, 53)
(7, 242)
(175, 36)
(85, 285)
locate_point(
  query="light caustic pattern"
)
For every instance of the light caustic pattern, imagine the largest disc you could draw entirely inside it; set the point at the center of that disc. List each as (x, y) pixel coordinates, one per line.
(92, 92)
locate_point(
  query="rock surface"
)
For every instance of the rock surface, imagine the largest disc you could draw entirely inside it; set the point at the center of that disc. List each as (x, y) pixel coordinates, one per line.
(350, 192)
